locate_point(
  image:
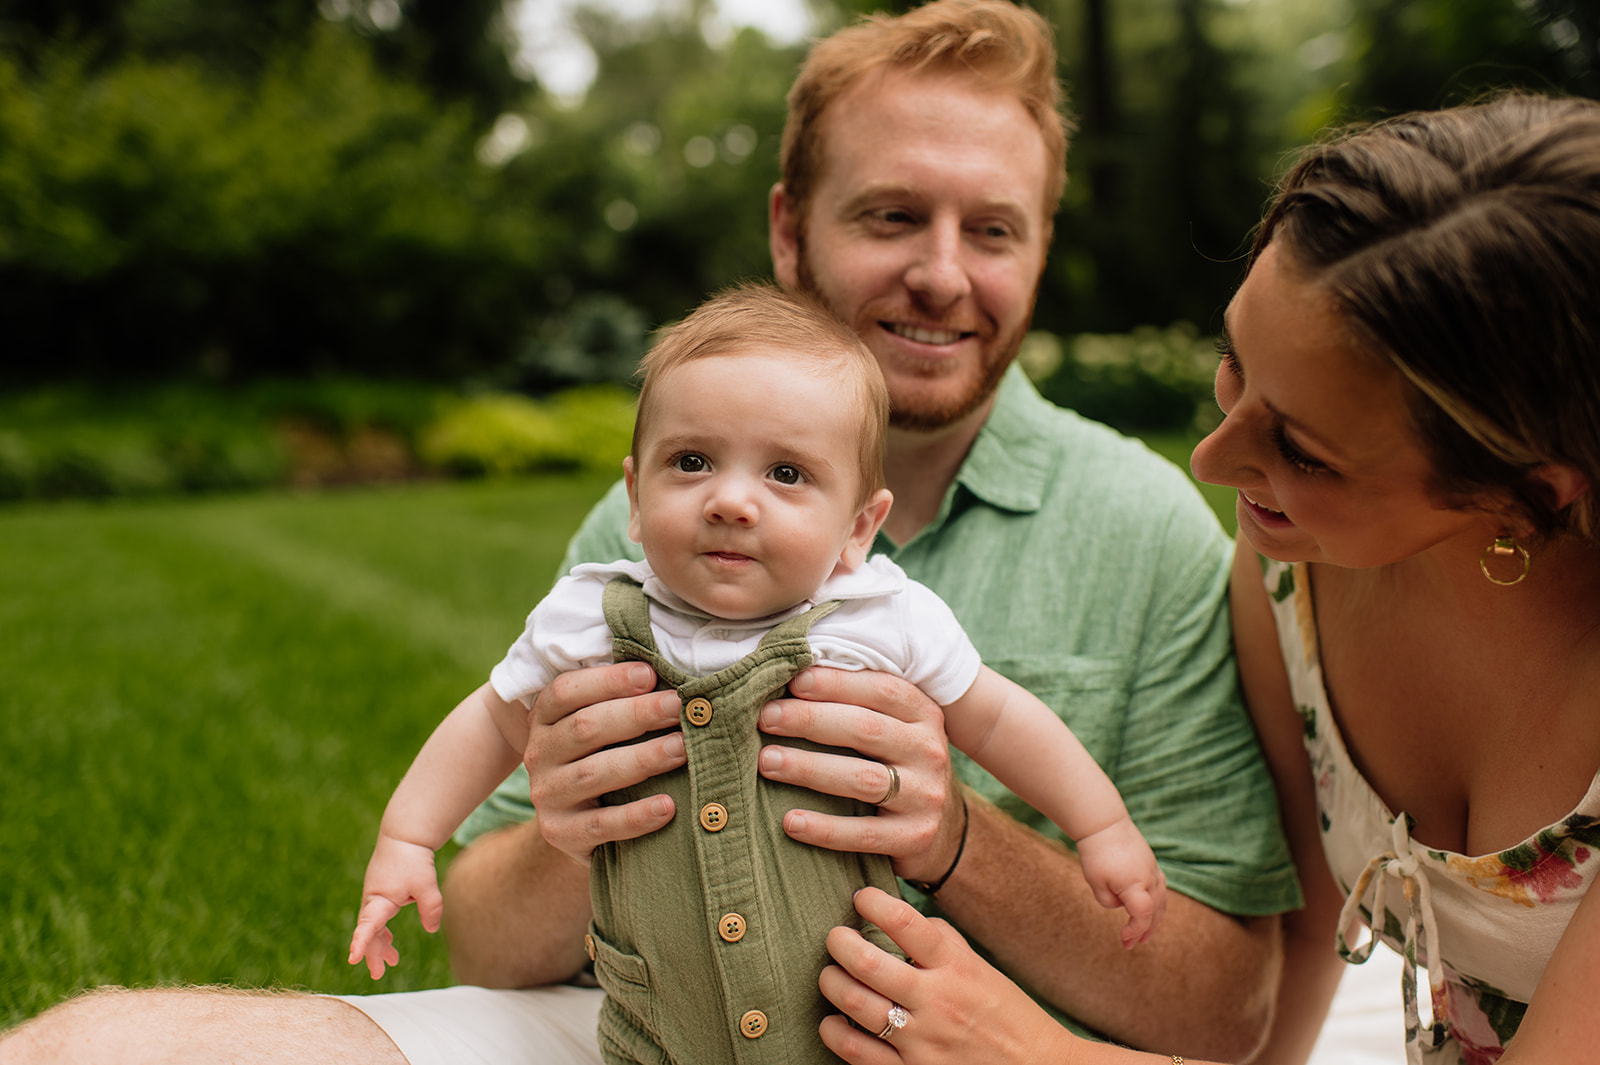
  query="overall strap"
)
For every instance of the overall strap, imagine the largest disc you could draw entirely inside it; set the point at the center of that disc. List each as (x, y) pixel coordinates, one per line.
(627, 614)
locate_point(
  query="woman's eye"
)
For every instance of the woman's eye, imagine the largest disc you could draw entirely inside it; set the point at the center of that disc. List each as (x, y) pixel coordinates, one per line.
(1225, 354)
(787, 474)
(690, 463)
(1293, 455)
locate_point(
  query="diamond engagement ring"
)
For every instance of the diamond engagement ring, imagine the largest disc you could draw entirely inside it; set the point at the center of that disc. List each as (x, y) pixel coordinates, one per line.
(898, 1016)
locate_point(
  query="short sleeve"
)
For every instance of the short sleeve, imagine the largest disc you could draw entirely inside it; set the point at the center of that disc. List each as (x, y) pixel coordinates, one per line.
(566, 631)
(603, 537)
(941, 658)
(1189, 751)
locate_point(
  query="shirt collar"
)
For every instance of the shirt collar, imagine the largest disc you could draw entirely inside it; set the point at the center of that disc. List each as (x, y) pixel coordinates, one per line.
(878, 576)
(1011, 460)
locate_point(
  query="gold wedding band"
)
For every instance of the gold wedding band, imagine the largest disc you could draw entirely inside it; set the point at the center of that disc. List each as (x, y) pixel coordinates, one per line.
(894, 785)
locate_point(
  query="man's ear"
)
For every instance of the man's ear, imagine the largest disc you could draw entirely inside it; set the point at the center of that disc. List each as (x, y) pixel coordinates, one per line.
(634, 533)
(868, 521)
(783, 237)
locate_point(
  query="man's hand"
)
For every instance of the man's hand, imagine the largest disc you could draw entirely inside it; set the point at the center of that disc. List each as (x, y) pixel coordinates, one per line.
(889, 722)
(571, 761)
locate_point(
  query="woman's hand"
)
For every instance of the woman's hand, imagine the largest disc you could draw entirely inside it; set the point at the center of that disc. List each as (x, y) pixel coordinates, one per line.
(961, 1009)
(571, 759)
(890, 723)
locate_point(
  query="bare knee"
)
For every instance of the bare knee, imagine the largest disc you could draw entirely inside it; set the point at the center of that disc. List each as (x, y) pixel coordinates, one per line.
(184, 1025)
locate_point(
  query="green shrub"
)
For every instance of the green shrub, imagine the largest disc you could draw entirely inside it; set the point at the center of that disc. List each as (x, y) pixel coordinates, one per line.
(598, 422)
(500, 434)
(1151, 379)
(76, 442)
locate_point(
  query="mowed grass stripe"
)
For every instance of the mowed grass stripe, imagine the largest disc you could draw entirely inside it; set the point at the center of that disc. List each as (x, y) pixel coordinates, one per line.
(204, 706)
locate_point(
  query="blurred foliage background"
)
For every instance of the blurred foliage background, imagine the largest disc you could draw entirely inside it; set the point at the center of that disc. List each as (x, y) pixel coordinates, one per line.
(228, 190)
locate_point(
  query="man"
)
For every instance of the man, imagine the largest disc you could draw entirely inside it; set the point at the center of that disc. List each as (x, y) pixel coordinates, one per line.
(922, 164)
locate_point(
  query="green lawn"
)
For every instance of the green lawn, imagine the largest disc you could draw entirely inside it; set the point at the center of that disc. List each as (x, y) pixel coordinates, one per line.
(205, 704)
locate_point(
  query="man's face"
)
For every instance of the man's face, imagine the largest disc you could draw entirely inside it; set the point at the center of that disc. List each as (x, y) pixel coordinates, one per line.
(926, 231)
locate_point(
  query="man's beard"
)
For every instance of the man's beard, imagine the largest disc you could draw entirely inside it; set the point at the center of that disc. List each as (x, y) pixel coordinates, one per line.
(928, 415)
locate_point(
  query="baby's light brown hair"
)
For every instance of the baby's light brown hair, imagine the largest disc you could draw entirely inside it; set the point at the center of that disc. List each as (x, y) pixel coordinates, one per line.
(756, 316)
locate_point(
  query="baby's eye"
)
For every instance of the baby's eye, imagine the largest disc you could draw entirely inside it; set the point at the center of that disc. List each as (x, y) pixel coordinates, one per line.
(690, 463)
(785, 474)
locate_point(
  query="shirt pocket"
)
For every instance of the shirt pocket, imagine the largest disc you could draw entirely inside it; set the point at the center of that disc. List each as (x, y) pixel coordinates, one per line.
(628, 1016)
(1090, 693)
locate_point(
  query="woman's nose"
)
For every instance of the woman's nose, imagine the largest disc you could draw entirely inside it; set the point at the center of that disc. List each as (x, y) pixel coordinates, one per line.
(1222, 456)
(1218, 458)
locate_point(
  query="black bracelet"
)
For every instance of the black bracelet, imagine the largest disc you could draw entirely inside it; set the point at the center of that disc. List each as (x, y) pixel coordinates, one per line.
(933, 888)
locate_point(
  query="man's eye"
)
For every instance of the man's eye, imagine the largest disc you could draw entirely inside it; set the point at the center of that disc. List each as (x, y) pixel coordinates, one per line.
(787, 475)
(892, 216)
(690, 463)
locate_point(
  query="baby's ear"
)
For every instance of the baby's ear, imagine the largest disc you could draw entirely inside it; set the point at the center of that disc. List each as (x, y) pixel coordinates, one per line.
(633, 500)
(868, 521)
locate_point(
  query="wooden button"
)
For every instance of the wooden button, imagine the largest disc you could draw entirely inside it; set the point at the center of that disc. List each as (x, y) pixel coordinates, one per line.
(713, 817)
(731, 927)
(588, 946)
(753, 1025)
(699, 711)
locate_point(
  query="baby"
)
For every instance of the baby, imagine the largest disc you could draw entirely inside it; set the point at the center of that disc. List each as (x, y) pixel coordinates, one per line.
(756, 490)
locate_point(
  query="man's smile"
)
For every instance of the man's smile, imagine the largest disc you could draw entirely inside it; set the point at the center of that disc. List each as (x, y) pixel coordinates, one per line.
(922, 335)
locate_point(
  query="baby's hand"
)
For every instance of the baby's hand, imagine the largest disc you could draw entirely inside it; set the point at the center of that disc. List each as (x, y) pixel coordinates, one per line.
(399, 873)
(1122, 870)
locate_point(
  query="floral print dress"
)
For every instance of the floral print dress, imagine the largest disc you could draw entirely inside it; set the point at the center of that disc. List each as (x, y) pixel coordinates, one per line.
(1482, 927)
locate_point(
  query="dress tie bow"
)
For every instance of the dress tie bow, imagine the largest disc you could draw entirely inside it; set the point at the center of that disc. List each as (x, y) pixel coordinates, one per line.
(1402, 864)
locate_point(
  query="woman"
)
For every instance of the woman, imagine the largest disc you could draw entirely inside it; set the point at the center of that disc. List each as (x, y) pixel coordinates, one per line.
(1411, 384)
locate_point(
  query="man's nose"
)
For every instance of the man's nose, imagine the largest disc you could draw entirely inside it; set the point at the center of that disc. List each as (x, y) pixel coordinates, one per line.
(939, 271)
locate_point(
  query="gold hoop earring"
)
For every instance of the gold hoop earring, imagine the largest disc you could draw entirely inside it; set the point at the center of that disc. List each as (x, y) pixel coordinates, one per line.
(1505, 547)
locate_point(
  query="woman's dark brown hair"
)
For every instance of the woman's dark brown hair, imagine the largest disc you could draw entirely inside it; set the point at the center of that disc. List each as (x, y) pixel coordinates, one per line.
(1464, 246)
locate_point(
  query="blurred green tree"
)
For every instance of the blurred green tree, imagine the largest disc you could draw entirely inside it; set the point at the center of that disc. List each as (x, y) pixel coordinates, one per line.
(656, 186)
(157, 218)
(1409, 54)
(458, 48)
(242, 187)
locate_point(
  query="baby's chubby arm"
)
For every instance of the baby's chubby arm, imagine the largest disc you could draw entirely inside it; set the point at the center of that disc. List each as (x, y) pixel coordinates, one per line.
(472, 750)
(1006, 729)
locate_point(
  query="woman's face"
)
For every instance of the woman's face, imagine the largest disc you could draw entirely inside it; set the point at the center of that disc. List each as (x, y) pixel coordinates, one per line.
(1317, 438)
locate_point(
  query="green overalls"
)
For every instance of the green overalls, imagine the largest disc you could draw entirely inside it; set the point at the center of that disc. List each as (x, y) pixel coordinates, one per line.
(708, 935)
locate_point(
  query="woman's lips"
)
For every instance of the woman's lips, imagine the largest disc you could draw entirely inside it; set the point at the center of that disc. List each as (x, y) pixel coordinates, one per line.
(1265, 514)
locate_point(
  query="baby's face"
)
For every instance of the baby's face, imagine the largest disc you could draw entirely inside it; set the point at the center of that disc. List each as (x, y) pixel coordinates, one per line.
(745, 490)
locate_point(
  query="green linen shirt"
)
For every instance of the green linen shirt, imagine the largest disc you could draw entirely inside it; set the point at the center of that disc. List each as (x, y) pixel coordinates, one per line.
(1089, 570)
